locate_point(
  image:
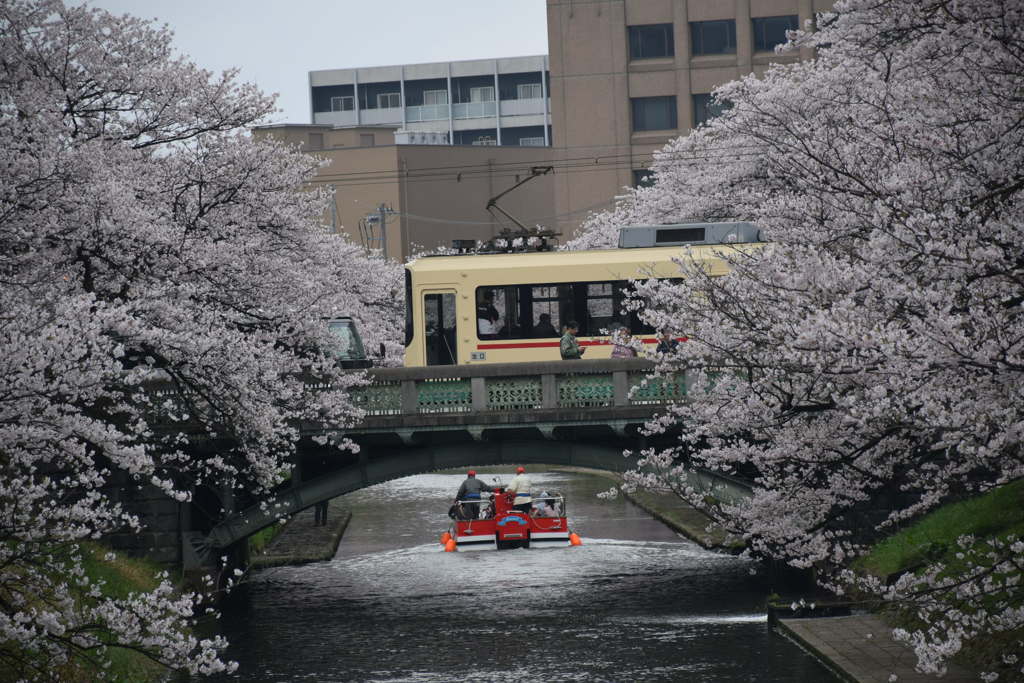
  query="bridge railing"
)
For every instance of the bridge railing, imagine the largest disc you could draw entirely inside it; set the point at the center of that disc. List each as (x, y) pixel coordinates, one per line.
(516, 386)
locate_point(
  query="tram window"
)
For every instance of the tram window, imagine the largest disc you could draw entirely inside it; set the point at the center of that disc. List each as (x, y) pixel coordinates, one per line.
(538, 311)
(604, 306)
(545, 312)
(498, 312)
(488, 317)
(600, 307)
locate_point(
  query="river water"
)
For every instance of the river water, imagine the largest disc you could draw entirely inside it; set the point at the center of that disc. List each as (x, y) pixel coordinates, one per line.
(635, 602)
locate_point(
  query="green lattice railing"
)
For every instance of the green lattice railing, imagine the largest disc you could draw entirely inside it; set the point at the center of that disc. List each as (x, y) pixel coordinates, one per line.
(517, 387)
(445, 395)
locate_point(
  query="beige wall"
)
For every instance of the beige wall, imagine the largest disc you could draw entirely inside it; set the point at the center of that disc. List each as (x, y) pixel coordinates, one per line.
(438, 192)
(592, 81)
(442, 205)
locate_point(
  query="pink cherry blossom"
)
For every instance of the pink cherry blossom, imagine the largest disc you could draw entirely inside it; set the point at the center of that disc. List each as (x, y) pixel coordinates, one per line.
(163, 278)
(867, 364)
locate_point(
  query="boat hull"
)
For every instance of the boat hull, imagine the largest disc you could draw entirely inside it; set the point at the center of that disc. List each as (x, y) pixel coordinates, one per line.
(510, 531)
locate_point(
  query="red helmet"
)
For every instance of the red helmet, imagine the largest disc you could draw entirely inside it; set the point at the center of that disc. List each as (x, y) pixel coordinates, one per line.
(520, 470)
(471, 473)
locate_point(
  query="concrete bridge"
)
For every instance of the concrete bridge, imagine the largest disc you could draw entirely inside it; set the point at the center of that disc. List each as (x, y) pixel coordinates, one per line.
(576, 413)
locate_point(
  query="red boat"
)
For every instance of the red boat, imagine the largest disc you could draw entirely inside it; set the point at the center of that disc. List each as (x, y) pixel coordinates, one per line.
(491, 523)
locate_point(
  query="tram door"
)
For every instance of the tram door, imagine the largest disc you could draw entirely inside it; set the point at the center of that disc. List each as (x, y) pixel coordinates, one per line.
(439, 315)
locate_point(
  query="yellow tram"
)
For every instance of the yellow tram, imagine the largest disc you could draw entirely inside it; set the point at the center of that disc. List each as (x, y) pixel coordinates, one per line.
(511, 307)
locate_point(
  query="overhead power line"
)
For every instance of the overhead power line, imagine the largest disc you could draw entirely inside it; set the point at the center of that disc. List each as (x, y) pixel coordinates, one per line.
(525, 164)
(602, 165)
(431, 219)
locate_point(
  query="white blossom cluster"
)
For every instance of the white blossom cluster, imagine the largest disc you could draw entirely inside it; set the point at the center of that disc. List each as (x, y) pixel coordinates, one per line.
(164, 283)
(867, 364)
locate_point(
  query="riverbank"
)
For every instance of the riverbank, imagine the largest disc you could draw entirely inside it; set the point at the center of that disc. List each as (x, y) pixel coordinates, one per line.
(860, 648)
(671, 511)
(302, 541)
(856, 647)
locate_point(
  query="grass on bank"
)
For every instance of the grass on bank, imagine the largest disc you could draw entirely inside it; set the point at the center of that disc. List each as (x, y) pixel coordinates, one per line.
(122, 576)
(997, 513)
(994, 515)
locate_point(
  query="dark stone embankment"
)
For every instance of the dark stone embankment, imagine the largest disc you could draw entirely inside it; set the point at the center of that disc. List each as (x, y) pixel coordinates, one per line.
(301, 541)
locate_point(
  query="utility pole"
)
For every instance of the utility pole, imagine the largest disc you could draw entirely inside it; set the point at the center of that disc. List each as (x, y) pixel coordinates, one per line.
(334, 209)
(380, 218)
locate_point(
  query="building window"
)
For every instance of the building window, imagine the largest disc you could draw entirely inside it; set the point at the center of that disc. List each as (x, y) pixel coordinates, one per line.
(528, 91)
(713, 37)
(435, 97)
(389, 100)
(654, 113)
(705, 108)
(485, 94)
(531, 142)
(771, 31)
(344, 103)
(651, 41)
(366, 140)
(643, 177)
(485, 141)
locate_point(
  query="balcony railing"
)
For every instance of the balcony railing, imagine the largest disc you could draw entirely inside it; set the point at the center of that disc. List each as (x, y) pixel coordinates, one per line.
(426, 112)
(474, 110)
(389, 115)
(521, 107)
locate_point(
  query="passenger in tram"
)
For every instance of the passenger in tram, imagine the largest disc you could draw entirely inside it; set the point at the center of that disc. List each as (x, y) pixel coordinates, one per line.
(569, 347)
(488, 320)
(469, 491)
(544, 328)
(486, 328)
(520, 488)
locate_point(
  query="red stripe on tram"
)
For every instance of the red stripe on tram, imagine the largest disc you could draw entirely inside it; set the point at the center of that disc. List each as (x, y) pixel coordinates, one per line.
(549, 345)
(522, 345)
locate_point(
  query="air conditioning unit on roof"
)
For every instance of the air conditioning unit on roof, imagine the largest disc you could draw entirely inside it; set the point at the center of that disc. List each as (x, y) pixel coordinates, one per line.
(678, 234)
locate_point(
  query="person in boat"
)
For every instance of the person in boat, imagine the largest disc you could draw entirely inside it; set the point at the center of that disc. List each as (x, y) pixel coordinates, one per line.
(520, 488)
(470, 491)
(544, 506)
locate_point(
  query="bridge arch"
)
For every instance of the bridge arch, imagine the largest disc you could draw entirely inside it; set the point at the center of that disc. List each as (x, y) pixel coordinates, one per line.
(397, 463)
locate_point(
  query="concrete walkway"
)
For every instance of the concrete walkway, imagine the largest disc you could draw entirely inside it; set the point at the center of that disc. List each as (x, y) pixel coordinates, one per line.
(301, 541)
(860, 648)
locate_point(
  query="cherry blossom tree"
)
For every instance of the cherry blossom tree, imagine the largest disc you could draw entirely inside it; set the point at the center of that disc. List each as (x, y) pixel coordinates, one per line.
(867, 364)
(146, 240)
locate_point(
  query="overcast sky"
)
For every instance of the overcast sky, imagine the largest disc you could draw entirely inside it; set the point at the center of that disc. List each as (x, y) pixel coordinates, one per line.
(277, 42)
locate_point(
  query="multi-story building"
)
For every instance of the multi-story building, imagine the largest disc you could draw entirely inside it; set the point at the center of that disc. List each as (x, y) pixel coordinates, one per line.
(480, 102)
(435, 142)
(629, 75)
